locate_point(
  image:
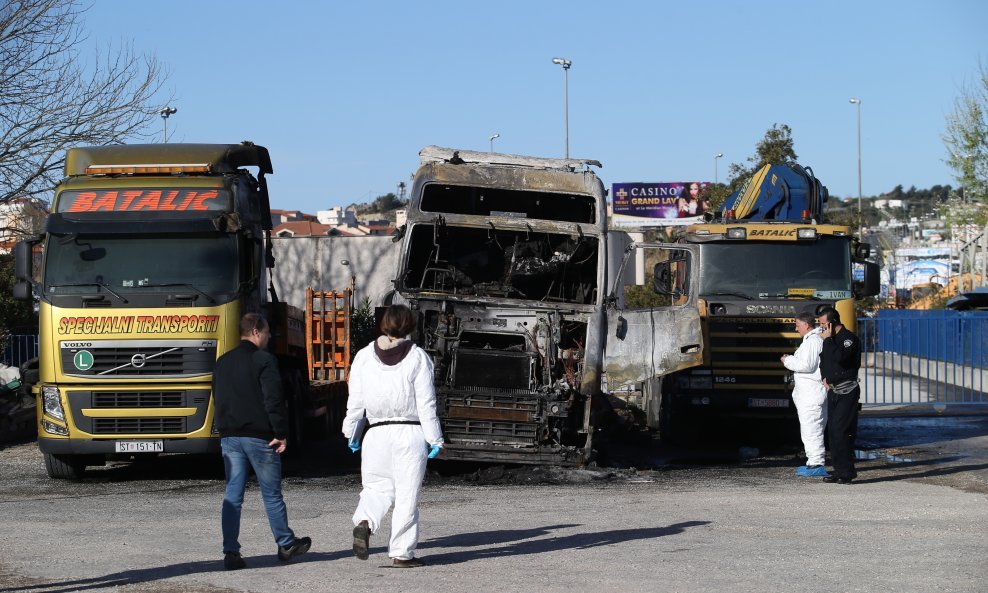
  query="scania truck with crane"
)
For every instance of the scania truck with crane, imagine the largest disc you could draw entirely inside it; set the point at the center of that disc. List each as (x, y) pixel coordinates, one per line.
(767, 256)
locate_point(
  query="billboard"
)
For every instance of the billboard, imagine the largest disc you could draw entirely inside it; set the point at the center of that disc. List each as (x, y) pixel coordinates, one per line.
(663, 203)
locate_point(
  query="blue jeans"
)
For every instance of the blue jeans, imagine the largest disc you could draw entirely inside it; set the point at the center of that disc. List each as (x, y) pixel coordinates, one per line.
(239, 455)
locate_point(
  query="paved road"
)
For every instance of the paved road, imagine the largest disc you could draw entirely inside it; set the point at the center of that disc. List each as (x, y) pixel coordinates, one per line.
(915, 522)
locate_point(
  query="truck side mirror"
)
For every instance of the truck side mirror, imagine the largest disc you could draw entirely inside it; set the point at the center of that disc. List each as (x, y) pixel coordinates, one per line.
(862, 251)
(872, 280)
(671, 277)
(662, 278)
(23, 260)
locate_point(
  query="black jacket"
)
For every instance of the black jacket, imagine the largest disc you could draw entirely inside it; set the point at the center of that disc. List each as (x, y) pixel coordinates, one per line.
(840, 358)
(247, 393)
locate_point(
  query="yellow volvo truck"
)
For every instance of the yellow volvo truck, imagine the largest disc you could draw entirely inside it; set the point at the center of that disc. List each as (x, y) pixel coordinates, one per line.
(763, 260)
(150, 256)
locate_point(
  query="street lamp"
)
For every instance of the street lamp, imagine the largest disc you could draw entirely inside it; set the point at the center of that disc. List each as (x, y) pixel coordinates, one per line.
(493, 136)
(565, 64)
(856, 101)
(165, 112)
(716, 156)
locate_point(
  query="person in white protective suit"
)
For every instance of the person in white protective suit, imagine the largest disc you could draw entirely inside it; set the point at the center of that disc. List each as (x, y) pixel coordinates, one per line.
(809, 395)
(391, 386)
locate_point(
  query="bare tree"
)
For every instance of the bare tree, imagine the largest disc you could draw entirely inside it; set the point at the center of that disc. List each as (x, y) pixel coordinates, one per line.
(966, 138)
(52, 99)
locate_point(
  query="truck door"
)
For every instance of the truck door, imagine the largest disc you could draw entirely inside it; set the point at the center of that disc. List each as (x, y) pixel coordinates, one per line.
(653, 316)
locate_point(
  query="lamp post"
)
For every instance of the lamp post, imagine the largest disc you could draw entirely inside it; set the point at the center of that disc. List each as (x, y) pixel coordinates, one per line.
(565, 64)
(857, 101)
(716, 156)
(493, 136)
(165, 112)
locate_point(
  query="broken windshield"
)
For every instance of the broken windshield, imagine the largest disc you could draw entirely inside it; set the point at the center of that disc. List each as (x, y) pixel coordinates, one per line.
(490, 201)
(490, 262)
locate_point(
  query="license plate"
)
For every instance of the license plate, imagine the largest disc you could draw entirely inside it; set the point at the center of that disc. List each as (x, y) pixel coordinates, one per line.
(768, 403)
(140, 446)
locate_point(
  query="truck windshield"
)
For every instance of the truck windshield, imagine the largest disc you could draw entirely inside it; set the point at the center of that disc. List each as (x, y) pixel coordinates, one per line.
(74, 264)
(774, 269)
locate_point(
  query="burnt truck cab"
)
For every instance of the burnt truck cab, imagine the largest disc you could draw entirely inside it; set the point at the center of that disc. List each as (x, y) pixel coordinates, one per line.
(505, 261)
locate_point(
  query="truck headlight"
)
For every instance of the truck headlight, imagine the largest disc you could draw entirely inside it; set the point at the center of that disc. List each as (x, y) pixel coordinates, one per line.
(52, 402)
(51, 427)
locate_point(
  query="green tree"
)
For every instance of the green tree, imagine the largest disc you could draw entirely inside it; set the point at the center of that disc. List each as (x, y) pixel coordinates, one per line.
(775, 148)
(15, 316)
(362, 326)
(51, 98)
(386, 202)
(966, 139)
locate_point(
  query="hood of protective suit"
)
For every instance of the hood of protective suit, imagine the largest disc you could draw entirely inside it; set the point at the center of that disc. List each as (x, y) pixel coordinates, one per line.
(390, 351)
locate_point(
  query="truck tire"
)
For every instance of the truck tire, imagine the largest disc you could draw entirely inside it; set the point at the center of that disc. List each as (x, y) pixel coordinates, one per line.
(65, 467)
(30, 373)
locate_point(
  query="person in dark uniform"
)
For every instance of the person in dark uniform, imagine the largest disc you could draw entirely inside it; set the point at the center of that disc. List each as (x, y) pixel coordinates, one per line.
(840, 360)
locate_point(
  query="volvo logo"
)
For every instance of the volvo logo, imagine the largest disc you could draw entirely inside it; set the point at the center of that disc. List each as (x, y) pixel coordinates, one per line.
(138, 360)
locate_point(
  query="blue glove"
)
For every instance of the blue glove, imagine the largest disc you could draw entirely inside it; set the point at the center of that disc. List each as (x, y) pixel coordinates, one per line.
(354, 446)
(434, 451)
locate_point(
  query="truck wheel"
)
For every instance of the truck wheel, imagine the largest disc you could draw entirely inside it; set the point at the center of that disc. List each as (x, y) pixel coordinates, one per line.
(64, 467)
(30, 373)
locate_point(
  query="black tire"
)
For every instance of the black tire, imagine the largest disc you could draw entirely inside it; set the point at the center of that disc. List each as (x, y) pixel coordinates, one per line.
(30, 373)
(65, 467)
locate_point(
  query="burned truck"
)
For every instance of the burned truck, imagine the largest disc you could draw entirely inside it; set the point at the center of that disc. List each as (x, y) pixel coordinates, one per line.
(505, 259)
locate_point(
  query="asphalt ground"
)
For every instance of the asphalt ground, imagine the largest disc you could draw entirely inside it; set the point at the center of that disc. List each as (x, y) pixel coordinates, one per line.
(725, 516)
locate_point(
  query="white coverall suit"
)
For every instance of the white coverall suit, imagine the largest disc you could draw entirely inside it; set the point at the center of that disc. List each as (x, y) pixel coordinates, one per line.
(809, 395)
(393, 456)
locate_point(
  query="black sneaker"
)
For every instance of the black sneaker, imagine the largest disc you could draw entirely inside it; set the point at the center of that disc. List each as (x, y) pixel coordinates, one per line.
(361, 540)
(410, 563)
(838, 480)
(233, 561)
(299, 546)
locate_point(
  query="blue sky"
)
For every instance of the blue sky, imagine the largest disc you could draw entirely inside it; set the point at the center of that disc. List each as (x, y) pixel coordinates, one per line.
(345, 94)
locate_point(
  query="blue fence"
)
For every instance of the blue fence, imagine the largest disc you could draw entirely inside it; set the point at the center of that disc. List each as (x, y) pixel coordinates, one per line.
(18, 348)
(936, 358)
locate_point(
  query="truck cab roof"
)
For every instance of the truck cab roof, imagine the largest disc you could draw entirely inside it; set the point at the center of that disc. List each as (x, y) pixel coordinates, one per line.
(218, 158)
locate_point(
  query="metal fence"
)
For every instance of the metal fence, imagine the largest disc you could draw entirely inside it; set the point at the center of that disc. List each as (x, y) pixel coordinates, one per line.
(18, 348)
(937, 358)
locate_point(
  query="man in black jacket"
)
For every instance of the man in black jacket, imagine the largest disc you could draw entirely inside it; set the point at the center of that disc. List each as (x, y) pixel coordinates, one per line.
(840, 360)
(252, 420)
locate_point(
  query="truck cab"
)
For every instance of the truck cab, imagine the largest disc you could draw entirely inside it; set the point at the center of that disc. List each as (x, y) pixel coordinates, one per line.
(149, 257)
(509, 265)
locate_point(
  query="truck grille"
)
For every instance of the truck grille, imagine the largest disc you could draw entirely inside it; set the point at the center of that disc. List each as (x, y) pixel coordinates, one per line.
(490, 418)
(483, 432)
(138, 358)
(151, 403)
(138, 399)
(138, 425)
(745, 351)
(751, 342)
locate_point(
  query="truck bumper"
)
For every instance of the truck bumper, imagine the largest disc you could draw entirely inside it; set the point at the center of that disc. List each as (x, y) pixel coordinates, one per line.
(739, 405)
(106, 446)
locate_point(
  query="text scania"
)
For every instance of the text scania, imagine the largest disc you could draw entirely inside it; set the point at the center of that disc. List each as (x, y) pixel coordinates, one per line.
(138, 324)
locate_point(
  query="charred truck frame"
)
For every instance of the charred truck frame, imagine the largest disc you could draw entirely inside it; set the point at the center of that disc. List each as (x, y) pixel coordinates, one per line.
(505, 260)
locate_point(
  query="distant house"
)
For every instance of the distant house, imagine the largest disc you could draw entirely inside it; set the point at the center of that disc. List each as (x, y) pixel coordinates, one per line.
(19, 217)
(337, 216)
(301, 228)
(282, 216)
